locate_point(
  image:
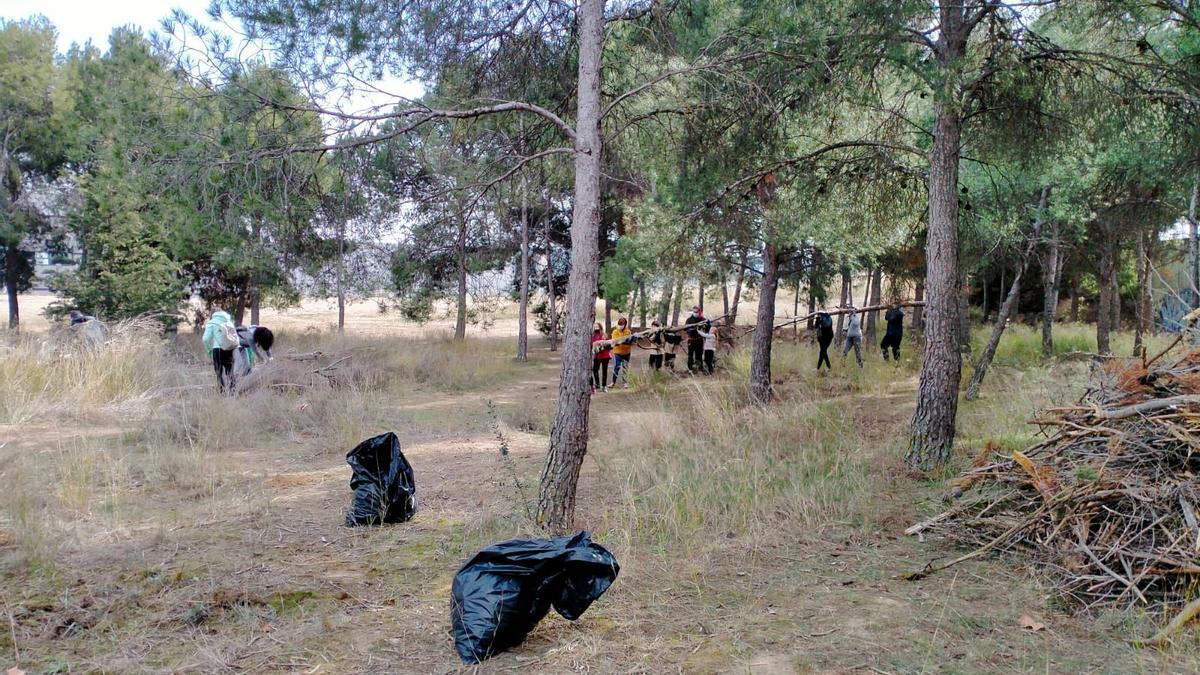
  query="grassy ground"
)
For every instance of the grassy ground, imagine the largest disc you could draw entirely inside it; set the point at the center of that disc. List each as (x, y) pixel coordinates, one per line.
(148, 525)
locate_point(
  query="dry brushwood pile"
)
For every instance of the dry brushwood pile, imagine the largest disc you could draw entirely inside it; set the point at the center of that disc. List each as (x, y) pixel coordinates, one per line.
(1108, 501)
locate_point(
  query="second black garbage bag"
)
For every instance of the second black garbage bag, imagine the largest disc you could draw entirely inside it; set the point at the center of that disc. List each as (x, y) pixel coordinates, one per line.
(507, 588)
(383, 485)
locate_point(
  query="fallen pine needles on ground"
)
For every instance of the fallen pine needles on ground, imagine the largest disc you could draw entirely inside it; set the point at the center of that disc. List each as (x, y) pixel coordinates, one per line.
(1107, 502)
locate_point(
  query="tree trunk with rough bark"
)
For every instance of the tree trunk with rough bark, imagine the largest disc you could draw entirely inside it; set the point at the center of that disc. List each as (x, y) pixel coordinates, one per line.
(12, 258)
(1142, 305)
(764, 333)
(933, 423)
(701, 300)
(678, 306)
(847, 292)
(737, 289)
(643, 304)
(876, 298)
(550, 290)
(664, 305)
(1105, 273)
(1194, 245)
(979, 371)
(1051, 267)
(523, 307)
(964, 312)
(341, 277)
(1075, 290)
(460, 321)
(569, 431)
(918, 320)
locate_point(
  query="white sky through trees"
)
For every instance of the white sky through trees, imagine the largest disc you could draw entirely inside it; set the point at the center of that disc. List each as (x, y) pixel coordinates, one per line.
(78, 21)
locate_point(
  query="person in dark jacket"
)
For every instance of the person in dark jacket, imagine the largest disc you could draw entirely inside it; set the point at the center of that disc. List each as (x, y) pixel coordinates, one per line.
(824, 338)
(895, 332)
(695, 341)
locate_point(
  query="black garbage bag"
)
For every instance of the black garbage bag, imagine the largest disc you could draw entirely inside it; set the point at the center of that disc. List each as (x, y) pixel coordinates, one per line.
(384, 490)
(506, 589)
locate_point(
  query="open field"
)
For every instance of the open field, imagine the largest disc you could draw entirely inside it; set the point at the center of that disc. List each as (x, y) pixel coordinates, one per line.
(149, 525)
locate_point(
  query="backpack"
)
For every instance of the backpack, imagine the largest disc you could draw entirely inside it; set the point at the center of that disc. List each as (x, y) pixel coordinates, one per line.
(227, 337)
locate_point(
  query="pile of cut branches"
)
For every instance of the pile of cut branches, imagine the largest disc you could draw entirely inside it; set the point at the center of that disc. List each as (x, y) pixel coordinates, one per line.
(1108, 501)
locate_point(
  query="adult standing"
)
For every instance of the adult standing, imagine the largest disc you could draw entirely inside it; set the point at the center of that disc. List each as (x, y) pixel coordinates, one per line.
(895, 332)
(695, 341)
(824, 338)
(854, 336)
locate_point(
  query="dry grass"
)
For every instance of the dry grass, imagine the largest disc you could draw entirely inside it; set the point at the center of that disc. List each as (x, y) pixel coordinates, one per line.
(150, 525)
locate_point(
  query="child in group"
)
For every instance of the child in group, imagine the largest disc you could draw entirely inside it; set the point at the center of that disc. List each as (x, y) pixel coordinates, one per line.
(895, 332)
(221, 339)
(709, 334)
(673, 340)
(622, 352)
(656, 347)
(600, 359)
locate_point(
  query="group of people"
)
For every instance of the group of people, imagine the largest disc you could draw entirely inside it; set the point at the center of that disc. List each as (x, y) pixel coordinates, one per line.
(235, 349)
(891, 339)
(617, 348)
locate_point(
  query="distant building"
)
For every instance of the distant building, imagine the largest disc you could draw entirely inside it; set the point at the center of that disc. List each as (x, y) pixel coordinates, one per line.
(47, 263)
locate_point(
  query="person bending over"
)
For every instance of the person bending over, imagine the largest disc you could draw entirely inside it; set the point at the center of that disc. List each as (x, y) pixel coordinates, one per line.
(221, 339)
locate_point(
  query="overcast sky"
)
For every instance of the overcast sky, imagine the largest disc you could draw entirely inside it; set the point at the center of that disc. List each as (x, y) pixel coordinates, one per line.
(78, 21)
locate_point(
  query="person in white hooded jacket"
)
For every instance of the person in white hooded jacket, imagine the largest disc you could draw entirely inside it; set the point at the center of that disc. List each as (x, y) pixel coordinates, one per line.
(220, 325)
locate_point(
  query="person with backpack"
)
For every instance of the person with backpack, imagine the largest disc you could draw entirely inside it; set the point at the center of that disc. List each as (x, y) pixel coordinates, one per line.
(601, 355)
(695, 341)
(854, 336)
(824, 338)
(895, 332)
(221, 339)
(622, 351)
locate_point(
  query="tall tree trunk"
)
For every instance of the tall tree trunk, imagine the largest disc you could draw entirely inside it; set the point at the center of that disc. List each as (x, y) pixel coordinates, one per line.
(1105, 273)
(1051, 266)
(701, 300)
(812, 306)
(678, 306)
(642, 303)
(550, 290)
(1116, 289)
(341, 277)
(918, 321)
(760, 352)
(989, 351)
(796, 310)
(255, 289)
(664, 306)
(1075, 289)
(239, 306)
(964, 313)
(1010, 303)
(876, 298)
(847, 291)
(1194, 245)
(737, 288)
(12, 258)
(725, 292)
(569, 432)
(460, 322)
(1142, 305)
(932, 429)
(523, 308)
